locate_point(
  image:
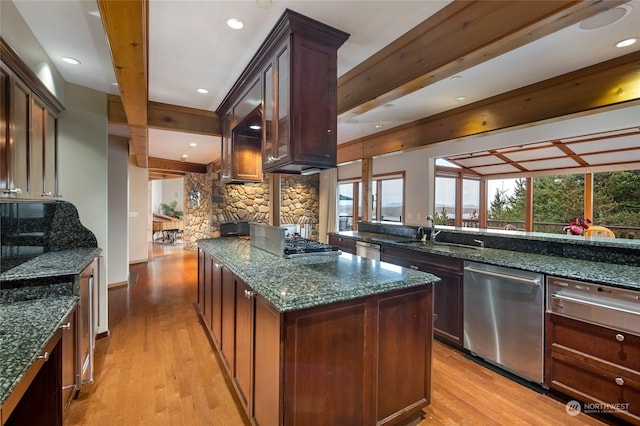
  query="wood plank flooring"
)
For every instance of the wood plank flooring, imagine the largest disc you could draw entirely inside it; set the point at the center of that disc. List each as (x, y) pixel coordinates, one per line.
(157, 367)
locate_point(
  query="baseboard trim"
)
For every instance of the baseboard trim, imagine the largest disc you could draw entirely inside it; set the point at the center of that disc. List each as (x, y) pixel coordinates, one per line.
(118, 284)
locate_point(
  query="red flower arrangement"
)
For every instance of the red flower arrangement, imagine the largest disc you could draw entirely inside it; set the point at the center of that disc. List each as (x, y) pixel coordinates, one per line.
(577, 227)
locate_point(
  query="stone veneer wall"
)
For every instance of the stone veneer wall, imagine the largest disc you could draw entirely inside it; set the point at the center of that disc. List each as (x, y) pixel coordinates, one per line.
(221, 203)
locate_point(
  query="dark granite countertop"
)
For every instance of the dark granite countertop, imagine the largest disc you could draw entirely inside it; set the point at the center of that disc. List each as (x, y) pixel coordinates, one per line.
(52, 263)
(599, 272)
(303, 282)
(29, 317)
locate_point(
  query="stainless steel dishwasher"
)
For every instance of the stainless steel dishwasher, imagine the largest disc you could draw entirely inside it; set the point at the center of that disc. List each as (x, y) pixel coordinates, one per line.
(504, 318)
(368, 250)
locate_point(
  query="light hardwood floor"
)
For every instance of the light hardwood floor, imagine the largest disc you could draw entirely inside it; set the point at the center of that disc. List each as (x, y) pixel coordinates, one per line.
(157, 367)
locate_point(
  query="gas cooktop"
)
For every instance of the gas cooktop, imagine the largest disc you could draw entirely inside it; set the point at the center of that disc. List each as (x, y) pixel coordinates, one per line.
(298, 246)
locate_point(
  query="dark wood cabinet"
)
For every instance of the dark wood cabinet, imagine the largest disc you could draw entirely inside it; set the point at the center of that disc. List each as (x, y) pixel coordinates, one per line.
(210, 294)
(346, 244)
(242, 138)
(330, 364)
(447, 293)
(70, 364)
(28, 137)
(37, 400)
(300, 95)
(594, 364)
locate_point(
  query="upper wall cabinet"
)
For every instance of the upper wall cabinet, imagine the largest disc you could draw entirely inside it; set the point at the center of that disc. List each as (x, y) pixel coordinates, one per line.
(241, 138)
(296, 67)
(300, 95)
(28, 132)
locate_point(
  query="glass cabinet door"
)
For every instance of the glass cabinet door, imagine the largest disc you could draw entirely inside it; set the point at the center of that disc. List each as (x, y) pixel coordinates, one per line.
(226, 147)
(282, 104)
(267, 115)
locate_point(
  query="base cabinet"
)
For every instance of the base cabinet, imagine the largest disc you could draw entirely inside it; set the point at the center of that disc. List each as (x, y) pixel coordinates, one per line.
(447, 294)
(37, 400)
(333, 364)
(347, 245)
(70, 361)
(210, 294)
(595, 365)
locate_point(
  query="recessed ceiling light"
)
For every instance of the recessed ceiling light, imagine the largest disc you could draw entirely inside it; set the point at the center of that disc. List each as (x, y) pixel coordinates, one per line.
(95, 13)
(235, 23)
(185, 156)
(460, 98)
(455, 77)
(115, 83)
(255, 127)
(203, 91)
(193, 145)
(379, 126)
(70, 60)
(627, 42)
(388, 106)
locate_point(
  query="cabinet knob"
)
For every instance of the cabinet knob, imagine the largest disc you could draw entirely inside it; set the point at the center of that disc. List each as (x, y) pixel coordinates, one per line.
(46, 194)
(66, 326)
(620, 337)
(249, 294)
(619, 381)
(435, 317)
(44, 356)
(414, 267)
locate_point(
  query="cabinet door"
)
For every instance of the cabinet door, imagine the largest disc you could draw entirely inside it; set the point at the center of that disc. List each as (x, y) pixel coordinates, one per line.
(404, 376)
(5, 87)
(208, 291)
(228, 319)
(268, 108)
(69, 358)
(226, 148)
(347, 245)
(36, 149)
(447, 307)
(244, 343)
(282, 101)
(267, 377)
(201, 264)
(50, 155)
(216, 302)
(19, 141)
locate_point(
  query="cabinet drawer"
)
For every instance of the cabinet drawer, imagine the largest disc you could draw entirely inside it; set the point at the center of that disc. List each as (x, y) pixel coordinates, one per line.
(422, 261)
(347, 245)
(594, 341)
(589, 383)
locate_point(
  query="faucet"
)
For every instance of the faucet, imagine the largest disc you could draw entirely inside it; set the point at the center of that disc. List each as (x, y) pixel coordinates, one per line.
(432, 225)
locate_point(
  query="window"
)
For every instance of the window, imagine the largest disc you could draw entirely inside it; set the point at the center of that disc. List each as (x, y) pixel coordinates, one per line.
(345, 206)
(505, 203)
(616, 200)
(387, 200)
(471, 201)
(445, 200)
(557, 200)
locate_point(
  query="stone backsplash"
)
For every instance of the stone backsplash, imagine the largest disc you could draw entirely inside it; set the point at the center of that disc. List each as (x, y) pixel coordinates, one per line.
(219, 203)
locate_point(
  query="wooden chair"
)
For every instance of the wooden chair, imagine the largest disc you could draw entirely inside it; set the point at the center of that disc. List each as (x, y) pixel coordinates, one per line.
(599, 231)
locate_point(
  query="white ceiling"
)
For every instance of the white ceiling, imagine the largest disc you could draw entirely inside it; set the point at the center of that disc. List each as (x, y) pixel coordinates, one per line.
(190, 47)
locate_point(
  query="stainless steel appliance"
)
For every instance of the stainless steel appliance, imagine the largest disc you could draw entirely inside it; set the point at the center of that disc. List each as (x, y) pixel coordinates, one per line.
(504, 318)
(273, 240)
(598, 304)
(298, 246)
(234, 229)
(86, 288)
(368, 250)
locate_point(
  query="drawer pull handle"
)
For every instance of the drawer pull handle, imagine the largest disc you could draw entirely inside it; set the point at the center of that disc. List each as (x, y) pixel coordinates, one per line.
(66, 326)
(44, 356)
(414, 267)
(619, 381)
(249, 294)
(620, 337)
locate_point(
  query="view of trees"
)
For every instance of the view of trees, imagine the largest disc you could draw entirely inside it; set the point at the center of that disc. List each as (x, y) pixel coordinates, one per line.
(560, 199)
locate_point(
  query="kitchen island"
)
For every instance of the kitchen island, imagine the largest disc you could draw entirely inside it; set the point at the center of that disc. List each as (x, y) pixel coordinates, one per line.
(329, 339)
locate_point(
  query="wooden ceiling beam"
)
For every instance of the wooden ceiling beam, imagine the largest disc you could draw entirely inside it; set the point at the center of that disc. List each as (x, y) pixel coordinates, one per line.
(608, 83)
(169, 117)
(459, 36)
(125, 23)
(176, 166)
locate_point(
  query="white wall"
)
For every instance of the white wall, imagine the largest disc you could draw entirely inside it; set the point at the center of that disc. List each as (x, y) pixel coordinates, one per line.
(118, 221)
(139, 209)
(19, 36)
(156, 195)
(82, 170)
